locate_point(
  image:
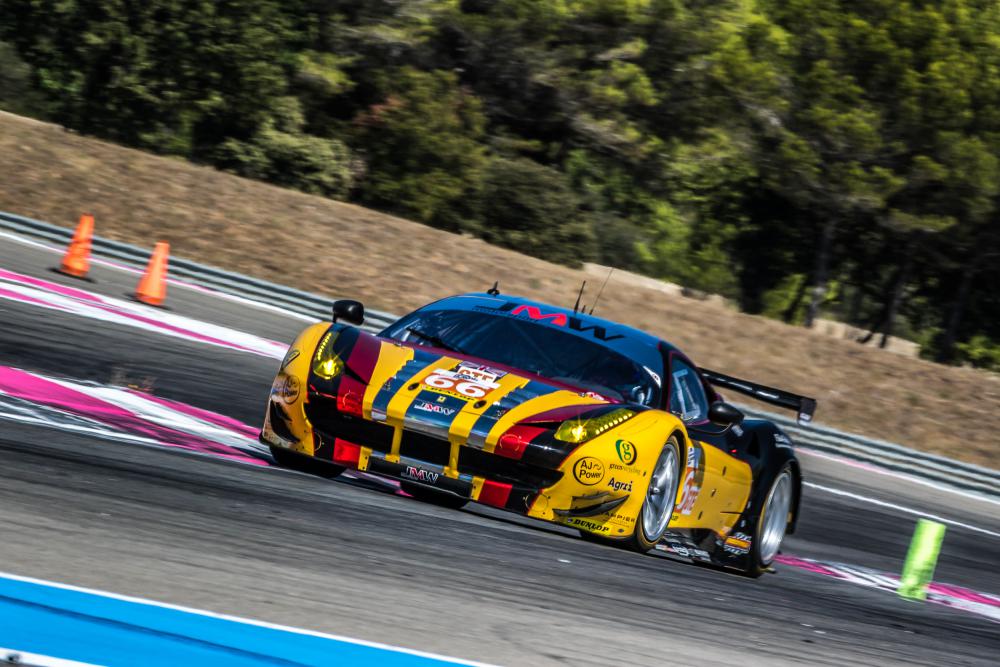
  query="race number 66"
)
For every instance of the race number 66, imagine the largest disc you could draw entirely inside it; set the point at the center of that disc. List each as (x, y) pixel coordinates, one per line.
(463, 387)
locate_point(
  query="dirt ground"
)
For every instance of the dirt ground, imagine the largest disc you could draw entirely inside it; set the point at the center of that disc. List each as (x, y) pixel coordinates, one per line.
(396, 265)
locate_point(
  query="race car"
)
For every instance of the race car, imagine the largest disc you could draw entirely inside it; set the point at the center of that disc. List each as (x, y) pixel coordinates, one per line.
(548, 412)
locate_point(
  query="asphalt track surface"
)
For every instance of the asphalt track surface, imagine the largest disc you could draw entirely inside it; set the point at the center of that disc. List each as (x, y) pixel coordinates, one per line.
(348, 558)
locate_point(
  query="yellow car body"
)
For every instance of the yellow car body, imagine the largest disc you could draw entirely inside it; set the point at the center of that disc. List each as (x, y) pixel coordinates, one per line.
(471, 429)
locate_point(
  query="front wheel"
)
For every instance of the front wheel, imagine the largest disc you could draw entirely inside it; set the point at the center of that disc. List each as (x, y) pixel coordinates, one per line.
(658, 506)
(661, 494)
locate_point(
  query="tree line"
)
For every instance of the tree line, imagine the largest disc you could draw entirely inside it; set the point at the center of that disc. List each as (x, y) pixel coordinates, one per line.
(805, 158)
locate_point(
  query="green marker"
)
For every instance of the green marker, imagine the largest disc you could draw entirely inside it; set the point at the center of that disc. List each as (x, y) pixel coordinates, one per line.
(921, 559)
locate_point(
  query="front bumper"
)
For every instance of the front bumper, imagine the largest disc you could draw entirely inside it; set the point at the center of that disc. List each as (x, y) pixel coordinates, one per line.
(364, 445)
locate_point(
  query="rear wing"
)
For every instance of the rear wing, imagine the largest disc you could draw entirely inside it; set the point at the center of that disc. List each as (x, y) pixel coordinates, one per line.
(803, 405)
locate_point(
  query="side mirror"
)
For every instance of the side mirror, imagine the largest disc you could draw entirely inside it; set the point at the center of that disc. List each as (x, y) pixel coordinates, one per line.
(724, 414)
(352, 312)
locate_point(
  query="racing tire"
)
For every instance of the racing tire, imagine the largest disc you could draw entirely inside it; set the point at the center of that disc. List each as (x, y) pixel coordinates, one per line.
(286, 458)
(772, 522)
(658, 505)
(432, 497)
(661, 496)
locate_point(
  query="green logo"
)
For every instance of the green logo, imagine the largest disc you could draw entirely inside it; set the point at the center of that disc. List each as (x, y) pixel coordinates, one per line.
(626, 452)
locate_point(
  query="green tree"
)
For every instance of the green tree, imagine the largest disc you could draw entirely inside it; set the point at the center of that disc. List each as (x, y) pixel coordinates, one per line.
(17, 94)
(531, 208)
(172, 75)
(281, 153)
(422, 146)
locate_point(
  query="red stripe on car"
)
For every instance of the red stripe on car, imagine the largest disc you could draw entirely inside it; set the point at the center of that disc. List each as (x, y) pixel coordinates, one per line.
(513, 443)
(495, 493)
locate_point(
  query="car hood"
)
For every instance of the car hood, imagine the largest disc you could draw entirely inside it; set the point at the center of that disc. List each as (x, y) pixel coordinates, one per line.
(452, 396)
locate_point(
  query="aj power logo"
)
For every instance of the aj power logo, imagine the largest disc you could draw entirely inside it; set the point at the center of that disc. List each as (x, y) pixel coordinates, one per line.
(588, 471)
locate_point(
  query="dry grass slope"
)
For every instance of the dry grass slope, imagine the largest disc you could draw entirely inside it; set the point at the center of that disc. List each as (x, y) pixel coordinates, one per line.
(396, 265)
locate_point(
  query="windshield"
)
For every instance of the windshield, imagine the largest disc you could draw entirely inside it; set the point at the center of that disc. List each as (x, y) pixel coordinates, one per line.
(532, 347)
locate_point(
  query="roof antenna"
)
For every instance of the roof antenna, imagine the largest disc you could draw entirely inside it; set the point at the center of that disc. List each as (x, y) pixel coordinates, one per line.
(493, 291)
(579, 296)
(606, 279)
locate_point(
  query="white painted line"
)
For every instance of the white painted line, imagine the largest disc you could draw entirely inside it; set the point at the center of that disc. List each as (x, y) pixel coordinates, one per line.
(245, 621)
(875, 468)
(159, 414)
(96, 431)
(901, 508)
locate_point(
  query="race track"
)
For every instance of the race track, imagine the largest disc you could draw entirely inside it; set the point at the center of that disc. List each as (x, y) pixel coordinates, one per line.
(353, 558)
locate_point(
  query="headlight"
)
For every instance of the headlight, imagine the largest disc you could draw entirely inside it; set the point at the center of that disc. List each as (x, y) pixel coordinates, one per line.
(326, 364)
(581, 430)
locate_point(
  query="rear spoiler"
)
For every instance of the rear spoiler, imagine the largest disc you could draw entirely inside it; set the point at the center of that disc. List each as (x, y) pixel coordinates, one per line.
(804, 405)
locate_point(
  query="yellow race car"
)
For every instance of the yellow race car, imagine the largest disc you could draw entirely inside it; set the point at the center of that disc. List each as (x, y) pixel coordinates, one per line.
(547, 412)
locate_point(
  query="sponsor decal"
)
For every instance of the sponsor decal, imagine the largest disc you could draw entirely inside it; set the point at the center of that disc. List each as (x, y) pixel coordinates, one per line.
(689, 551)
(535, 313)
(693, 477)
(558, 319)
(592, 526)
(478, 373)
(632, 470)
(434, 408)
(782, 440)
(626, 452)
(622, 519)
(620, 485)
(738, 543)
(588, 471)
(418, 474)
(679, 549)
(452, 383)
(290, 388)
(290, 356)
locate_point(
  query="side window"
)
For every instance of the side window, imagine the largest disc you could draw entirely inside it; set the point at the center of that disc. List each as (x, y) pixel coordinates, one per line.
(687, 396)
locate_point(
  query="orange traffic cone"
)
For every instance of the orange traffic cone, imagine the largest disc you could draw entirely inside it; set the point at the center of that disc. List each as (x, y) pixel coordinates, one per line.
(152, 288)
(76, 261)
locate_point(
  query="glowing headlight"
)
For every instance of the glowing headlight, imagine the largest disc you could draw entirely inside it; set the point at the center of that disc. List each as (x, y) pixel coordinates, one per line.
(326, 364)
(581, 430)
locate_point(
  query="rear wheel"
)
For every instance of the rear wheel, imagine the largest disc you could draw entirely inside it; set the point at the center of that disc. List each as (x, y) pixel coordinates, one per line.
(772, 523)
(439, 498)
(286, 458)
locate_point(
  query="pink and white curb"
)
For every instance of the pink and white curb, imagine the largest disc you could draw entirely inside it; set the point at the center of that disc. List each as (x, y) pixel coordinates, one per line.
(45, 294)
(177, 282)
(135, 417)
(124, 411)
(957, 597)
